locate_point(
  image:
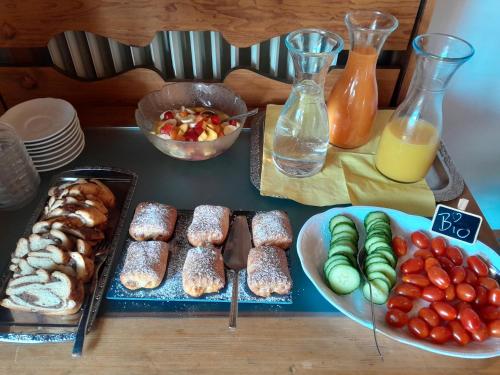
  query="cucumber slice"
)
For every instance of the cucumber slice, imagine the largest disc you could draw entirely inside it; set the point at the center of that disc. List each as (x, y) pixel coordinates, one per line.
(376, 259)
(351, 258)
(389, 255)
(340, 219)
(345, 228)
(379, 233)
(339, 262)
(386, 269)
(342, 247)
(370, 242)
(379, 275)
(378, 294)
(344, 238)
(383, 283)
(343, 279)
(378, 225)
(376, 215)
(379, 245)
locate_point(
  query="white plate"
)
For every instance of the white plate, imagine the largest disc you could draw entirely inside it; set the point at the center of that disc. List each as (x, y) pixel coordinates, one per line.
(312, 247)
(60, 163)
(59, 144)
(61, 152)
(39, 119)
(66, 154)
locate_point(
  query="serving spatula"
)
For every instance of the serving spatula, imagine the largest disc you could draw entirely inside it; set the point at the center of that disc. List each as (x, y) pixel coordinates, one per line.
(236, 251)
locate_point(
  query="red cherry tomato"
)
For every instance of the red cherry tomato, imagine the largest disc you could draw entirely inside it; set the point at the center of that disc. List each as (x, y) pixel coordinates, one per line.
(482, 333)
(438, 245)
(470, 277)
(400, 302)
(466, 292)
(462, 305)
(494, 328)
(494, 297)
(477, 265)
(446, 263)
(481, 296)
(431, 262)
(412, 265)
(215, 119)
(444, 310)
(470, 320)
(432, 293)
(408, 290)
(423, 253)
(449, 293)
(439, 277)
(489, 313)
(429, 316)
(418, 328)
(396, 318)
(419, 280)
(399, 245)
(455, 255)
(441, 334)
(488, 282)
(457, 274)
(168, 115)
(459, 333)
(420, 240)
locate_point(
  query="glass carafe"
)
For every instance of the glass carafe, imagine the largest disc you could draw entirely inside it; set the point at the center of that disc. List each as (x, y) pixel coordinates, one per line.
(410, 140)
(352, 104)
(301, 135)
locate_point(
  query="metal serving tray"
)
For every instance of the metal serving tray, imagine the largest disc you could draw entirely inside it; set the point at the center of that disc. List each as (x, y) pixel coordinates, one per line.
(443, 178)
(171, 287)
(32, 327)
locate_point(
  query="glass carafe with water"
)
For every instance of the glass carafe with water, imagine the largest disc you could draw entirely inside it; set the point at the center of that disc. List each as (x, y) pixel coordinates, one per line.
(410, 139)
(301, 135)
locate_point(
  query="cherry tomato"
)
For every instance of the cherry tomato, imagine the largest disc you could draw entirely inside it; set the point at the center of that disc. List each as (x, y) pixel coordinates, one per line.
(439, 277)
(408, 290)
(482, 333)
(441, 334)
(420, 240)
(457, 274)
(494, 297)
(466, 292)
(459, 333)
(449, 293)
(494, 328)
(418, 328)
(412, 265)
(423, 253)
(432, 293)
(470, 277)
(400, 302)
(168, 115)
(446, 263)
(396, 318)
(429, 316)
(489, 313)
(477, 265)
(481, 296)
(444, 310)
(488, 282)
(431, 262)
(215, 119)
(399, 245)
(455, 255)
(469, 319)
(419, 280)
(462, 305)
(438, 245)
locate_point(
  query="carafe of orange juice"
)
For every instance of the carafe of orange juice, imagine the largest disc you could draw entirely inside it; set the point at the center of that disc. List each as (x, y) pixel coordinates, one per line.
(410, 139)
(352, 104)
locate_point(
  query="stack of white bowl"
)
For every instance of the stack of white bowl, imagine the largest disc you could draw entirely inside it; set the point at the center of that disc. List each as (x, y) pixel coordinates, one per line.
(50, 130)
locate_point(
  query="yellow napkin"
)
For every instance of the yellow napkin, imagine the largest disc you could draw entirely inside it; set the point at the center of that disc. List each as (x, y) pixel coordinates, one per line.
(349, 177)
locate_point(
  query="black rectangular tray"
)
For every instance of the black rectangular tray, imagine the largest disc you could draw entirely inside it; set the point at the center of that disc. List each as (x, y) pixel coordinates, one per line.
(32, 327)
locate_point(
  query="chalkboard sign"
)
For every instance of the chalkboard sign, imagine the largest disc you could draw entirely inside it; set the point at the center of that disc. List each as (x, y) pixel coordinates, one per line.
(455, 223)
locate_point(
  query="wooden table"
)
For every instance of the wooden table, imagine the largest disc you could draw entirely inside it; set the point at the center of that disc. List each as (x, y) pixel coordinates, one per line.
(286, 344)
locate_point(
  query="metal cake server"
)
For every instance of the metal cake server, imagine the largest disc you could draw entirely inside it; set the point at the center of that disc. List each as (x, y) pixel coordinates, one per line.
(236, 251)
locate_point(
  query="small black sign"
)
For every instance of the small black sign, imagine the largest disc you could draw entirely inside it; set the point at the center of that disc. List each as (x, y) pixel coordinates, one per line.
(457, 224)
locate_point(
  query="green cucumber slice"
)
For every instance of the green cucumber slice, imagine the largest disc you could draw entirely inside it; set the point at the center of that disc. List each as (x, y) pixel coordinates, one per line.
(386, 269)
(376, 259)
(378, 294)
(379, 275)
(340, 219)
(389, 255)
(376, 215)
(343, 279)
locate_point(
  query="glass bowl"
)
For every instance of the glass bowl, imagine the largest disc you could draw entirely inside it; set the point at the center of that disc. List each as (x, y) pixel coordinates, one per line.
(175, 95)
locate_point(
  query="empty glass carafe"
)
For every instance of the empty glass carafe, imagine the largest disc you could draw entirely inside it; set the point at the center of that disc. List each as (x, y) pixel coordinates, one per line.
(301, 134)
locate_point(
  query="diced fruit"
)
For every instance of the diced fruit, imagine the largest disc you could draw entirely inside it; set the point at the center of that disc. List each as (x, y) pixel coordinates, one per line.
(228, 129)
(233, 122)
(168, 115)
(215, 119)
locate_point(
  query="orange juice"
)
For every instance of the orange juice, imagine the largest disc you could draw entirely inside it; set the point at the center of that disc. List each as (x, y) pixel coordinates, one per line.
(406, 152)
(352, 104)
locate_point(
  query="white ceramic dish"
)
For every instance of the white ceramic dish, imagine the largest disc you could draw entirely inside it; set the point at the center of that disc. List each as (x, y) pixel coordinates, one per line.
(37, 120)
(61, 163)
(58, 145)
(61, 153)
(312, 247)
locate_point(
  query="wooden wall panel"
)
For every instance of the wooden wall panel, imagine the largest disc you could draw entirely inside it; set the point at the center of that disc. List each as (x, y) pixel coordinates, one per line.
(112, 101)
(31, 23)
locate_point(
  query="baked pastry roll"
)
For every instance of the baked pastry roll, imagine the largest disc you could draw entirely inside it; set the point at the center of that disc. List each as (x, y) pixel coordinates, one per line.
(209, 226)
(272, 228)
(267, 271)
(153, 221)
(145, 264)
(203, 271)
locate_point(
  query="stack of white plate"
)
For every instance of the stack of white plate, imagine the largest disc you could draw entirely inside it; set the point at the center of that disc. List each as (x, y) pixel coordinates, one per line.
(50, 130)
